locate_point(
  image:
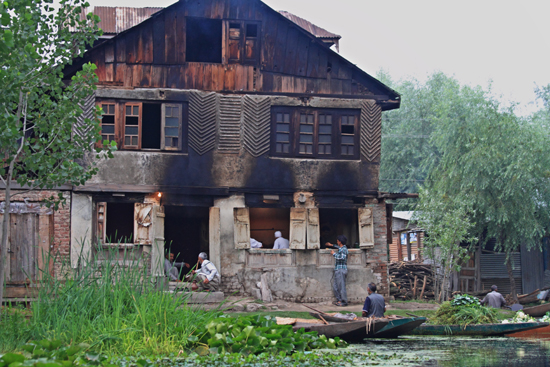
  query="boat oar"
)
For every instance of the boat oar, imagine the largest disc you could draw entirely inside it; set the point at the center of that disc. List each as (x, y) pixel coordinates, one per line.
(319, 312)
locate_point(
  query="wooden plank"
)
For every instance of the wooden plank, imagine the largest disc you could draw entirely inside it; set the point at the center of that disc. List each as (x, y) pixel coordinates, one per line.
(267, 82)
(207, 76)
(345, 72)
(121, 48)
(336, 86)
(24, 243)
(251, 81)
(269, 33)
(120, 69)
(180, 35)
(157, 76)
(229, 82)
(217, 77)
(146, 76)
(241, 218)
(99, 60)
(291, 50)
(323, 63)
(109, 72)
(159, 56)
(170, 37)
(280, 46)
(287, 84)
(217, 9)
(147, 42)
(313, 61)
(20, 292)
(131, 47)
(173, 76)
(137, 71)
(258, 80)
(190, 76)
(109, 52)
(200, 9)
(334, 65)
(240, 77)
(199, 75)
(181, 79)
(45, 228)
(346, 87)
(277, 83)
(140, 44)
(300, 85)
(302, 55)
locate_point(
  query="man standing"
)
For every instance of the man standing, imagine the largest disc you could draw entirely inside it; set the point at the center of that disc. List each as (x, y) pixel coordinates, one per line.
(374, 303)
(171, 267)
(340, 270)
(494, 299)
(280, 242)
(208, 277)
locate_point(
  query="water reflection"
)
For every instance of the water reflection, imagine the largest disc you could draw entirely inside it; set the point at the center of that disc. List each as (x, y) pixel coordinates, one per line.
(457, 351)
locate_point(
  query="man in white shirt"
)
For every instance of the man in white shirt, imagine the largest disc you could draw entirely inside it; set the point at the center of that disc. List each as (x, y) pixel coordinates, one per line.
(208, 277)
(280, 242)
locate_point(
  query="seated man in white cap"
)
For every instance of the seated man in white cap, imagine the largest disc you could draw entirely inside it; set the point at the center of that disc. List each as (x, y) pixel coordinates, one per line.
(208, 277)
(280, 242)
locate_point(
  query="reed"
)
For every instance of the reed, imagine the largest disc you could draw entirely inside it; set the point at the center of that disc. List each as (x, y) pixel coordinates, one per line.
(112, 303)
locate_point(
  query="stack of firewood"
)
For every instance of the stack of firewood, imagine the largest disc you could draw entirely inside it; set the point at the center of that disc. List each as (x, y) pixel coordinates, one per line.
(411, 280)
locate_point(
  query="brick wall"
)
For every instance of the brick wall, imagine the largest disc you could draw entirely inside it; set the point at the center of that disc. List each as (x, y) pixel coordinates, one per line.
(377, 258)
(61, 228)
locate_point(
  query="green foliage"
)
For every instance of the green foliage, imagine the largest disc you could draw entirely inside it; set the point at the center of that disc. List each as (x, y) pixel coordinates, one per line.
(114, 308)
(255, 335)
(465, 300)
(466, 314)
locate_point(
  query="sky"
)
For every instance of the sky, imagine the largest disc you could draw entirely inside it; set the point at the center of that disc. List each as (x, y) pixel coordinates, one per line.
(505, 44)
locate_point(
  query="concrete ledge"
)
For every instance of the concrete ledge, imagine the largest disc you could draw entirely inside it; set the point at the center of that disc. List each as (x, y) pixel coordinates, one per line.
(204, 297)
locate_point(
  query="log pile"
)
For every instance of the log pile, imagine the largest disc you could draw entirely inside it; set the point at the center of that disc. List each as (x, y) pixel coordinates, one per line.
(411, 280)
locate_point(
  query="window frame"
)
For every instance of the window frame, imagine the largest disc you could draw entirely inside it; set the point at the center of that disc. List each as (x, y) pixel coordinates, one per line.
(243, 41)
(336, 132)
(116, 114)
(120, 124)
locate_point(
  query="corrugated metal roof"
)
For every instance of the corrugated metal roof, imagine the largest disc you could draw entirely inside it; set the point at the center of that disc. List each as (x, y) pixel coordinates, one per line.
(310, 27)
(406, 215)
(115, 20)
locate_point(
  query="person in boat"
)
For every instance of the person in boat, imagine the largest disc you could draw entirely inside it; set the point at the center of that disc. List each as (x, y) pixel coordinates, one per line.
(280, 242)
(208, 277)
(493, 298)
(340, 270)
(374, 303)
(172, 269)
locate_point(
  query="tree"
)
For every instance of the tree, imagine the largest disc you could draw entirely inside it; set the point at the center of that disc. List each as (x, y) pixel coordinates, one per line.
(448, 226)
(38, 110)
(498, 166)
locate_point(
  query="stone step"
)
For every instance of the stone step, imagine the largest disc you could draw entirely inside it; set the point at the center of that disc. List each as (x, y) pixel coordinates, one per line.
(201, 297)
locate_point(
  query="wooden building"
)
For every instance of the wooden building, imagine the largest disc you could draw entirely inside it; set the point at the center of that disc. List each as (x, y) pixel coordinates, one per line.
(232, 122)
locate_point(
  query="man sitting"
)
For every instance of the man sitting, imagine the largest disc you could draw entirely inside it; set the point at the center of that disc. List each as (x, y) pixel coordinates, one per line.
(374, 303)
(494, 299)
(208, 277)
(171, 267)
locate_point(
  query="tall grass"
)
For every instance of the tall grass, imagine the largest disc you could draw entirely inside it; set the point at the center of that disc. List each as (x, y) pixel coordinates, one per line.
(115, 307)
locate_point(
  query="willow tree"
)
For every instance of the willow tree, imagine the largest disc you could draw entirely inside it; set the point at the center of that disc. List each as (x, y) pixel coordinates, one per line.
(498, 166)
(38, 111)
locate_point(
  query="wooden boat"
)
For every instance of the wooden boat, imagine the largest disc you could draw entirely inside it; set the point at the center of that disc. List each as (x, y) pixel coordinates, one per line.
(351, 331)
(357, 330)
(537, 311)
(538, 333)
(476, 330)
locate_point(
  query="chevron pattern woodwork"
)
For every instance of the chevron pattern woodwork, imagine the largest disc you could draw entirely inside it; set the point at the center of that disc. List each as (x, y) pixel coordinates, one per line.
(80, 128)
(371, 131)
(230, 108)
(202, 121)
(256, 124)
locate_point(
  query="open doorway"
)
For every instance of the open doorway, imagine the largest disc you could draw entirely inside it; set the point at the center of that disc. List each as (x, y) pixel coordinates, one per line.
(265, 221)
(334, 222)
(186, 232)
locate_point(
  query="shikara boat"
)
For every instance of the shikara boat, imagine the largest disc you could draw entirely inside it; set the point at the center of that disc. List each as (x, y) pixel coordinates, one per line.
(476, 330)
(356, 330)
(537, 311)
(538, 333)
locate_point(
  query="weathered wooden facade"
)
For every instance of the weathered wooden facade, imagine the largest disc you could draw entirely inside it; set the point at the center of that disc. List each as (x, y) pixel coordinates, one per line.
(233, 122)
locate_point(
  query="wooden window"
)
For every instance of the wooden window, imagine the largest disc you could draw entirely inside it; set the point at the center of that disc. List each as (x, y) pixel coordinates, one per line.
(132, 126)
(171, 127)
(348, 138)
(138, 125)
(108, 120)
(242, 42)
(325, 134)
(307, 127)
(282, 136)
(316, 133)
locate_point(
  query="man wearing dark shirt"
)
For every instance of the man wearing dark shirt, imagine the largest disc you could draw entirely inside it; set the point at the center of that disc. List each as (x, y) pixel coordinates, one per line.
(374, 303)
(494, 299)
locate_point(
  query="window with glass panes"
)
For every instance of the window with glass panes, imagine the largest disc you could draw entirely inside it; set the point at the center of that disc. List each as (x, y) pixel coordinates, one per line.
(318, 133)
(145, 125)
(108, 122)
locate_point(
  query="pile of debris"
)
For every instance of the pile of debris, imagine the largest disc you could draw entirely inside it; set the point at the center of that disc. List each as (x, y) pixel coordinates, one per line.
(411, 280)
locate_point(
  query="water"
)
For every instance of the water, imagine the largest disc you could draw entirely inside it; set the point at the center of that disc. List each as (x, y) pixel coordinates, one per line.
(457, 351)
